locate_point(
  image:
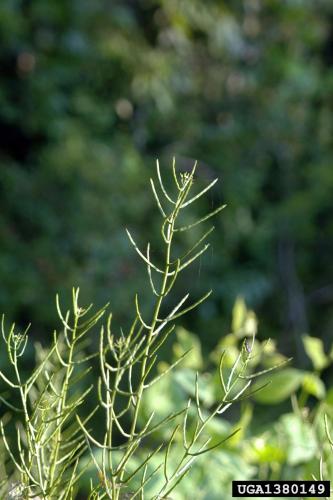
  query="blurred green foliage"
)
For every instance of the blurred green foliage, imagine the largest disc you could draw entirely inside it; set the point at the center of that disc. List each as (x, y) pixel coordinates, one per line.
(287, 447)
(91, 92)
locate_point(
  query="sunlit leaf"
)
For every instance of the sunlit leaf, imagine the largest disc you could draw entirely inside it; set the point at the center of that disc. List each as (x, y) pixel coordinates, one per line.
(301, 439)
(238, 315)
(315, 350)
(186, 341)
(313, 385)
(282, 385)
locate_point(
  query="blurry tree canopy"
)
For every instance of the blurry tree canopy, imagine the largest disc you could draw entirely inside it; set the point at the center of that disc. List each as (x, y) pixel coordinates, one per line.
(92, 92)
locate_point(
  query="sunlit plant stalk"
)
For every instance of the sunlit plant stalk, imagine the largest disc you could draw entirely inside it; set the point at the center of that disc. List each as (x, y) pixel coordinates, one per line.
(321, 461)
(52, 436)
(49, 442)
(137, 351)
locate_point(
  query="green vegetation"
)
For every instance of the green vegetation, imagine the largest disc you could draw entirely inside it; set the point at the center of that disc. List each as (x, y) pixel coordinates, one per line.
(51, 436)
(49, 456)
(90, 94)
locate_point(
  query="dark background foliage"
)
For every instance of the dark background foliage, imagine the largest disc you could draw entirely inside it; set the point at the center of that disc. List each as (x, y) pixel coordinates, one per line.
(92, 92)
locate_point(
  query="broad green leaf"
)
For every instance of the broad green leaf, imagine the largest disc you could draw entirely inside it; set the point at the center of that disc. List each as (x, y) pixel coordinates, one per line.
(228, 344)
(239, 313)
(242, 424)
(315, 350)
(264, 450)
(164, 397)
(185, 379)
(251, 324)
(217, 429)
(313, 385)
(186, 341)
(282, 384)
(244, 322)
(301, 439)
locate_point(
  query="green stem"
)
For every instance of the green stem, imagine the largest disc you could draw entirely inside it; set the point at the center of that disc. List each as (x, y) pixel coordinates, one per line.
(61, 406)
(170, 232)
